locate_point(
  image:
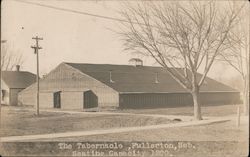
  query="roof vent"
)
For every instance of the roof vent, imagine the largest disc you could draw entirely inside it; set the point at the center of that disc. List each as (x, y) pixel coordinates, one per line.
(136, 61)
(110, 77)
(156, 78)
(44, 75)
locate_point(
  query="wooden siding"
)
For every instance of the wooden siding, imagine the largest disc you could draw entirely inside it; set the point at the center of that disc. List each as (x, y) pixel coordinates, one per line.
(46, 99)
(14, 95)
(67, 79)
(72, 100)
(152, 100)
(27, 97)
(222, 98)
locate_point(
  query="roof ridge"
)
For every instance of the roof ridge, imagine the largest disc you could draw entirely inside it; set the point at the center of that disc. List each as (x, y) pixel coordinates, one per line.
(111, 64)
(17, 71)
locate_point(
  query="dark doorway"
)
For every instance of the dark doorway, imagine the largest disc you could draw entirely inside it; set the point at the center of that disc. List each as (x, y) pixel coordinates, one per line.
(57, 99)
(90, 100)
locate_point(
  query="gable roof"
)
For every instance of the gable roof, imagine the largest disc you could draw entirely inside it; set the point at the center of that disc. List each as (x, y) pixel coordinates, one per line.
(18, 79)
(129, 79)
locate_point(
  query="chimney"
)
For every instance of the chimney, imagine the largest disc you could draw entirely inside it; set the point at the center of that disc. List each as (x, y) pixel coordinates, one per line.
(156, 78)
(136, 61)
(139, 63)
(17, 67)
(110, 77)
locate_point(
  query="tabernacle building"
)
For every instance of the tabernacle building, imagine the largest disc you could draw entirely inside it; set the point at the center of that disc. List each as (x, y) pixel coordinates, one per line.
(76, 86)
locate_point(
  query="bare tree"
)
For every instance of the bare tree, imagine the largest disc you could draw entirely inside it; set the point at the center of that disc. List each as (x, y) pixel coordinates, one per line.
(10, 58)
(184, 38)
(238, 55)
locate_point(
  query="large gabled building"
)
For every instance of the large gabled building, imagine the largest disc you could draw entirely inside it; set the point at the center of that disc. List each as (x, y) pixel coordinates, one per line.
(12, 82)
(78, 86)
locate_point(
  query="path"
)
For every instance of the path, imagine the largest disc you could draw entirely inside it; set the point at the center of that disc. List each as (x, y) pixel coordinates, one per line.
(109, 131)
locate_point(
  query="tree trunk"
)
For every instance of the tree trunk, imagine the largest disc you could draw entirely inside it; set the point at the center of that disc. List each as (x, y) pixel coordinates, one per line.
(246, 101)
(197, 105)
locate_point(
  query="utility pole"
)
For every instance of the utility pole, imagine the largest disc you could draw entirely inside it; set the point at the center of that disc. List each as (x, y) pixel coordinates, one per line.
(36, 48)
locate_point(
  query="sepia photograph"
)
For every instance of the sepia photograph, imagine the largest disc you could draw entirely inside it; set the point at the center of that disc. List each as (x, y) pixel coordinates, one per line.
(120, 78)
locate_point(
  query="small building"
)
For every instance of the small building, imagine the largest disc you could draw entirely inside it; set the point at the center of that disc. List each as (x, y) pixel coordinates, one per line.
(12, 82)
(76, 86)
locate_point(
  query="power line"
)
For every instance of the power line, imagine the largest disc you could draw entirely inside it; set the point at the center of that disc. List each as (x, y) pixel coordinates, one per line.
(74, 11)
(82, 13)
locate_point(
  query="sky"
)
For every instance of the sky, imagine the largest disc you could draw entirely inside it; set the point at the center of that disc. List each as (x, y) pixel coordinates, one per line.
(70, 37)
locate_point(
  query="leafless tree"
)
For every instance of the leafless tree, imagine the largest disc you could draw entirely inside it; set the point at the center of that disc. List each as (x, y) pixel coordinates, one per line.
(10, 58)
(184, 38)
(238, 55)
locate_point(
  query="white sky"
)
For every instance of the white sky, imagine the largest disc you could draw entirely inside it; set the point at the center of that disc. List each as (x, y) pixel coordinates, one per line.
(70, 37)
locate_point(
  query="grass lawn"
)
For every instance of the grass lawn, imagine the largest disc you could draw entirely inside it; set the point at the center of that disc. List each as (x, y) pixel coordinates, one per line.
(219, 110)
(21, 121)
(217, 139)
